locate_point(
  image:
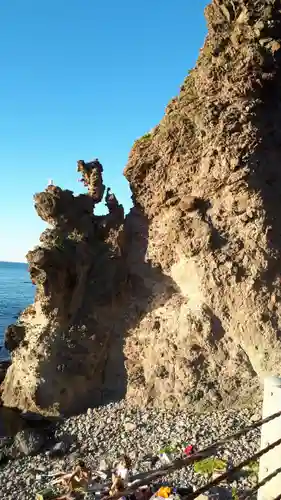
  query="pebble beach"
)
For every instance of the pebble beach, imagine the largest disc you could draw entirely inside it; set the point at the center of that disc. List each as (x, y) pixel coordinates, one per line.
(103, 434)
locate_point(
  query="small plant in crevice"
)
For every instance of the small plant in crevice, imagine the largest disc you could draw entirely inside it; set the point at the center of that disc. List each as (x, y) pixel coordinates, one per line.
(146, 137)
(168, 449)
(208, 466)
(234, 493)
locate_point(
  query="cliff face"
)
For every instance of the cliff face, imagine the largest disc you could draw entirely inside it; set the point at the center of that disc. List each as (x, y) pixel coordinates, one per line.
(180, 302)
(208, 179)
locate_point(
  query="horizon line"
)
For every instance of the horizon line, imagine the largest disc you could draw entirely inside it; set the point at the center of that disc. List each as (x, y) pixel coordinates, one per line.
(12, 262)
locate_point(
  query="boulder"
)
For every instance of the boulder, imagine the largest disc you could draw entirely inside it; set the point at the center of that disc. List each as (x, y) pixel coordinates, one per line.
(5, 441)
(29, 441)
(14, 335)
(103, 466)
(59, 449)
(4, 457)
(11, 422)
(130, 426)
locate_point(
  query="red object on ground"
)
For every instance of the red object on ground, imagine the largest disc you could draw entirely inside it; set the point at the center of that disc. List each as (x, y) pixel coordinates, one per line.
(189, 450)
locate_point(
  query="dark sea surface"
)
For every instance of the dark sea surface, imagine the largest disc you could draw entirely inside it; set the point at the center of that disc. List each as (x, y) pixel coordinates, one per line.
(16, 293)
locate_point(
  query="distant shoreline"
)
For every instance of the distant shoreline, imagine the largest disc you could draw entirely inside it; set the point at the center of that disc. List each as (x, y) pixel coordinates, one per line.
(12, 262)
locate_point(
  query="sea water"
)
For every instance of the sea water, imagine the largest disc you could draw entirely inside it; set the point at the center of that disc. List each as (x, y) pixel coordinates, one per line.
(16, 293)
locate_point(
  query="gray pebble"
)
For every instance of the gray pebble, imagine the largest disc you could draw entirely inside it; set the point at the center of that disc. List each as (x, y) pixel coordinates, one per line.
(103, 434)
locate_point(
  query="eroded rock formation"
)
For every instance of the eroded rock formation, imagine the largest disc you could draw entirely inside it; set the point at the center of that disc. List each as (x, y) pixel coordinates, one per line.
(188, 286)
(92, 178)
(60, 349)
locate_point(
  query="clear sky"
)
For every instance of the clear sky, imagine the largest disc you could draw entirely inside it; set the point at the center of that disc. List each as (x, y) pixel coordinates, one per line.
(79, 80)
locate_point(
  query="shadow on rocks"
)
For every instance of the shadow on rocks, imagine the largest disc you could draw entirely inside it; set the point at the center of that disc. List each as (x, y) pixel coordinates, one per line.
(264, 175)
(4, 365)
(221, 493)
(23, 434)
(85, 363)
(147, 288)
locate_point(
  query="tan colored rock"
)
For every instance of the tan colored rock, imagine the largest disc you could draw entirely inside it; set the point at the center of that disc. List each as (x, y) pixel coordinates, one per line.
(180, 304)
(67, 352)
(217, 334)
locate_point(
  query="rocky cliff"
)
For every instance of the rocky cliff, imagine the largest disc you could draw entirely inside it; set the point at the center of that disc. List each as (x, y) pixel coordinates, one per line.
(180, 302)
(60, 348)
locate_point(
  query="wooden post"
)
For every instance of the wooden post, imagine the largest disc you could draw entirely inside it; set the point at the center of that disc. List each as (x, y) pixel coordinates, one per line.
(270, 432)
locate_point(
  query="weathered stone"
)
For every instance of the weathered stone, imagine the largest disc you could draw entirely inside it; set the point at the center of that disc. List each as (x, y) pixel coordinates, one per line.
(103, 466)
(215, 330)
(114, 208)
(5, 441)
(29, 441)
(14, 335)
(59, 449)
(4, 457)
(11, 422)
(171, 306)
(79, 270)
(92, 178)
(129, 426)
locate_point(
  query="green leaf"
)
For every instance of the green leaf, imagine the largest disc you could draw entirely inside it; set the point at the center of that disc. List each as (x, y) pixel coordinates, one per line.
(208, 465)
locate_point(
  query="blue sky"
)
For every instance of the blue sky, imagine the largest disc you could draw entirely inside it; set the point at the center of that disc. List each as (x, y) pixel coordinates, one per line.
(79, 80)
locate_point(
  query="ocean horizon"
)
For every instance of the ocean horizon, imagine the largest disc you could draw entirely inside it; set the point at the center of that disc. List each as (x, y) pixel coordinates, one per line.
(11, 262)
(16, 293)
